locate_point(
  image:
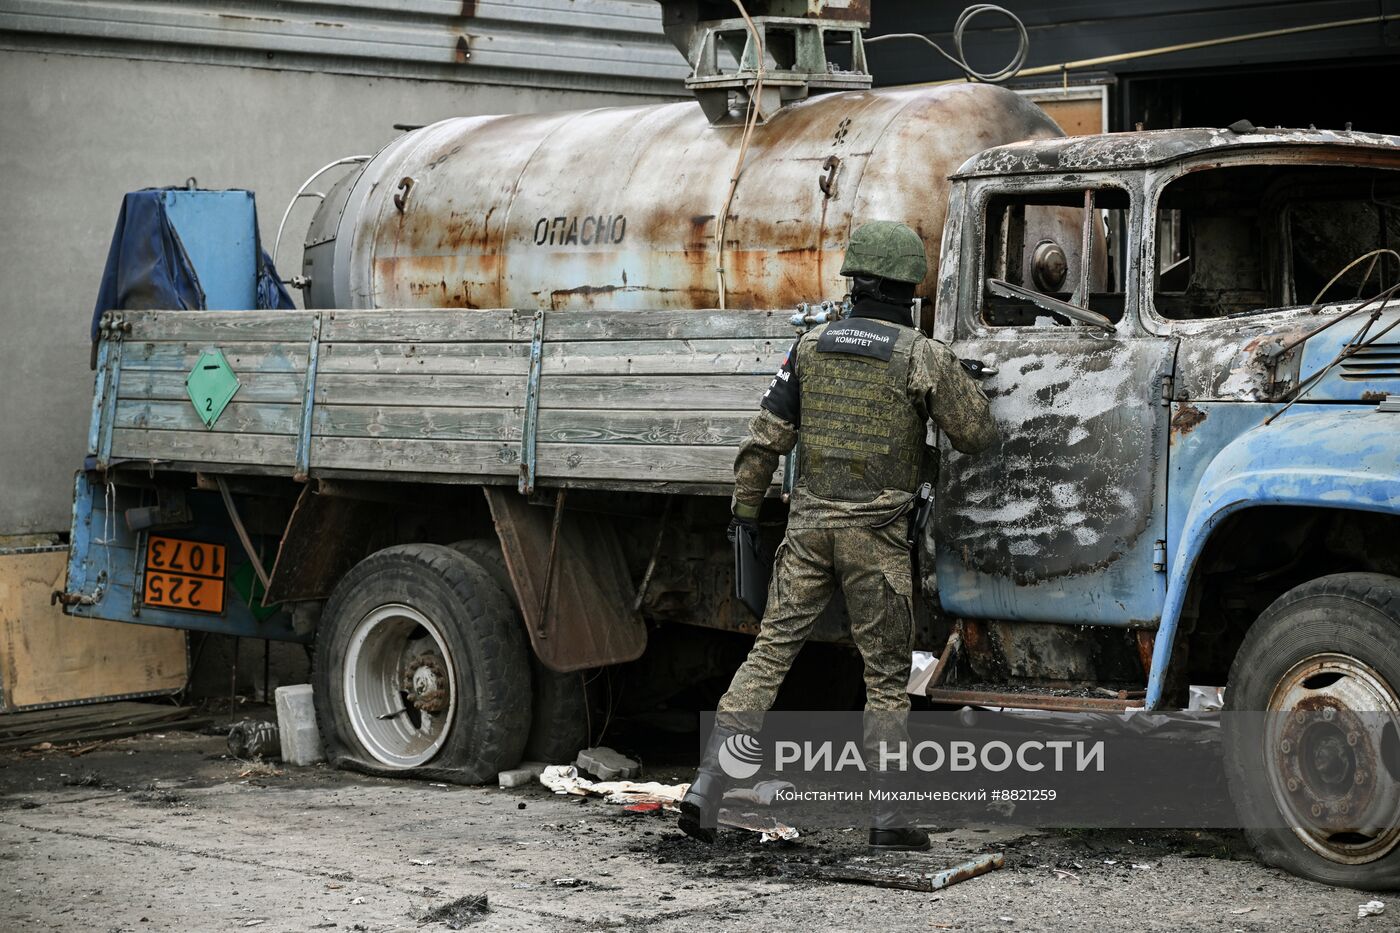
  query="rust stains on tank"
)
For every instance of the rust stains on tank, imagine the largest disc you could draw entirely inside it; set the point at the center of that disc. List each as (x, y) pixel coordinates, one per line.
(473, 214)
(1186, 419)
(1374, 396)
(464, 50)
(468, 9)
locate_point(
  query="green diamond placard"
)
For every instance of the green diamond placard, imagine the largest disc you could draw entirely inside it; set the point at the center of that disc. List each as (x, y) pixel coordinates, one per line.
(211, 385)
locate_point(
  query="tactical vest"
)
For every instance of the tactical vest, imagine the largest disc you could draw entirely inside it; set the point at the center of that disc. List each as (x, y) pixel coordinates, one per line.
(860, 434)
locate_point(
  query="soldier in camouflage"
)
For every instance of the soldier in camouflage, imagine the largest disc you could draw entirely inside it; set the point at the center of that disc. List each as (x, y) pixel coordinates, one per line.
(859, 392)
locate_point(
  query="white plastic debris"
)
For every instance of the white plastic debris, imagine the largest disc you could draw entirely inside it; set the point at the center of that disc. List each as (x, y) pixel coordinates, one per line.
(921, 666)
(1203, 699)
(1370, 909)
(565, 779)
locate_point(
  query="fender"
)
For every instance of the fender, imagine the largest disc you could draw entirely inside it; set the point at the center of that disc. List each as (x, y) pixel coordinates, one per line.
(1328, 456)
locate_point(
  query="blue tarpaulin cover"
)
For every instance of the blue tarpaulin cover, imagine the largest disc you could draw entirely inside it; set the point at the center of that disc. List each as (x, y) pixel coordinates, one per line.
(147, 266)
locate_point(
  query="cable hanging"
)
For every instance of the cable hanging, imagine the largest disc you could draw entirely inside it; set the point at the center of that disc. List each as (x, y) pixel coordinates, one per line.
(959, 58)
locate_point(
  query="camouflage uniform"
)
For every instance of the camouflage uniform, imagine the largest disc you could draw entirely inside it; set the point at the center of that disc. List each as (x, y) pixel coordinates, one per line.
(845, 524)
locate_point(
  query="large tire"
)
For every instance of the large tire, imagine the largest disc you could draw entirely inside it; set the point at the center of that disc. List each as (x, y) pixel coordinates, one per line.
(559, 726)
(419, 630)
(1331, 646)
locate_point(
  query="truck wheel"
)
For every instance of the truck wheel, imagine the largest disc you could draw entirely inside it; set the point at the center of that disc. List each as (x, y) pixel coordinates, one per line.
(559, 726)
(419, 668)
(1332, 644)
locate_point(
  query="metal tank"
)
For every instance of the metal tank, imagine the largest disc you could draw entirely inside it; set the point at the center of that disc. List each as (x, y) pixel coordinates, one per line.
(616, 208)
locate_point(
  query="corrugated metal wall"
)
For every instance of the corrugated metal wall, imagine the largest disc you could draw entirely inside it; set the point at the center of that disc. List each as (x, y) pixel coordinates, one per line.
(588, 45)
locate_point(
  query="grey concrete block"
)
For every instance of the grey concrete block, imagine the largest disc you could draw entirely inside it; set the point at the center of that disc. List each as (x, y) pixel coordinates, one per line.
(607, 765)
(528, 773)
(296, 723)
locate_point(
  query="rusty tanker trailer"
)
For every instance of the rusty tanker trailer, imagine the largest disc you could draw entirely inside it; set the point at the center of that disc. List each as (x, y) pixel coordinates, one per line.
(616, 208)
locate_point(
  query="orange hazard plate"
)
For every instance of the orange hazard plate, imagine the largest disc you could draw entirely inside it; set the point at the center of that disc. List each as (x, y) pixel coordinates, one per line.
(186, 575)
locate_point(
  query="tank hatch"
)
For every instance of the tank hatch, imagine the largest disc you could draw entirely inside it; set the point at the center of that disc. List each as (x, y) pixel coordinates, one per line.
(780, 54)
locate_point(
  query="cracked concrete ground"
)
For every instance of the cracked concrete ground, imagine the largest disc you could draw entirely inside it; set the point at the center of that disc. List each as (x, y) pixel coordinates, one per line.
(168, 833)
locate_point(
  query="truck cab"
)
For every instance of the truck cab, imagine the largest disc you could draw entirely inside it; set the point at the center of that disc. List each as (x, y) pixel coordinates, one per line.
(1198, 478)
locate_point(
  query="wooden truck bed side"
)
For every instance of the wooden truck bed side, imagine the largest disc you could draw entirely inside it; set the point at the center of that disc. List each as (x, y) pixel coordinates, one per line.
(643, 397)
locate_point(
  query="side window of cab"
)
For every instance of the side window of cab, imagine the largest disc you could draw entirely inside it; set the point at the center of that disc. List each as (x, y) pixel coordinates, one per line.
(1052, 258)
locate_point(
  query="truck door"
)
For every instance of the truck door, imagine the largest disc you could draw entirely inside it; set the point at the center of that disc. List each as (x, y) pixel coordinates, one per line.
(1063, 519)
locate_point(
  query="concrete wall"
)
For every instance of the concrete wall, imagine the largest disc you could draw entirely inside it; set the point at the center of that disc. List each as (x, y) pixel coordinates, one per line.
(78, 132)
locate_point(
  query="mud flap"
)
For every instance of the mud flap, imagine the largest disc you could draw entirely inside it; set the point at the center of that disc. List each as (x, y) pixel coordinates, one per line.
(588, 619)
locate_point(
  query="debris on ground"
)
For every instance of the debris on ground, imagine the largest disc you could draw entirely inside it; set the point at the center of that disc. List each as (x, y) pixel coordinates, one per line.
(1370, 909)
(768, 829)
(153, 793)
(87, 779)
(761, 794)
(254, 738)
(568, 882)
(606, 764)
(260, 768)
(901, 878)
(565, 779)
(76, 730)
(526, 773)
(458, 913)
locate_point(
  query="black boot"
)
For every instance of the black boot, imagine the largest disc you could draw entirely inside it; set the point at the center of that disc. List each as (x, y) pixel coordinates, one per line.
(890, 831)
(700, 806)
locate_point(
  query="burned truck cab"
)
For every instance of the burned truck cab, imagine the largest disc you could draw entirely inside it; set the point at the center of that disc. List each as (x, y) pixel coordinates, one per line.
(1198, 478)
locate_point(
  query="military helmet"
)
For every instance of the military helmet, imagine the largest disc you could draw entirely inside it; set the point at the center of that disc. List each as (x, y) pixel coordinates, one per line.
(886, 250)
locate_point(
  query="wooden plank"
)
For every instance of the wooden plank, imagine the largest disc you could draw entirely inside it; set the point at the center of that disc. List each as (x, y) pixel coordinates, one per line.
(419, 456)
(218, 327)
(159, 385)
(238, 417)
(674, 463)
(478, 358)
(669, 325)
(658, 393)
(180, 356)
(715, 393)
(47, 657)
(688, 428)
(604, 357)
(203, 447)
(449, 325)
(385, 421)
(430, 325)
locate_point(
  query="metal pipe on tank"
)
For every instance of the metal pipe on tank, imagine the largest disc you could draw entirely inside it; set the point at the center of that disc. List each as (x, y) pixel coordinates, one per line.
(616, 208)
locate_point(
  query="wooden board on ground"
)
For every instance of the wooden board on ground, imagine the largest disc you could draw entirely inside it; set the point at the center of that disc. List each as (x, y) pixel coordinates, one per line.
(97, 722)
(47, 658)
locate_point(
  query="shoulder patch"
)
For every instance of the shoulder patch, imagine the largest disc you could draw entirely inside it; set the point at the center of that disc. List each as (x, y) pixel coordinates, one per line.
(860, 337)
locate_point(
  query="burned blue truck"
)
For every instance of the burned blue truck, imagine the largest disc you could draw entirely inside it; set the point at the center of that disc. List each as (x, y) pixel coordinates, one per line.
(478, 515)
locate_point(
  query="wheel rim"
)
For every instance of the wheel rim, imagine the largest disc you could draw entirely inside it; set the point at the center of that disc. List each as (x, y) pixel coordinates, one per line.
(1324, 758)
(400, 686)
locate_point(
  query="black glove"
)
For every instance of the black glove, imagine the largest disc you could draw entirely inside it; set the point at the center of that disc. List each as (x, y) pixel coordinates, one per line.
(735, 523)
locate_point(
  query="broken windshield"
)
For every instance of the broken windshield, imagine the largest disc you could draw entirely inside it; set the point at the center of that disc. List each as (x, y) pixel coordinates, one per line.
(1243, 239)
